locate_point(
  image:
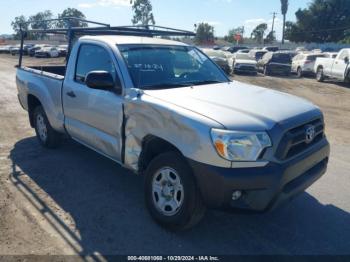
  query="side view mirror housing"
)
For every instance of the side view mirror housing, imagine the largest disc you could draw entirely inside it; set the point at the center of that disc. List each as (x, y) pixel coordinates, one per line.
(101, 80)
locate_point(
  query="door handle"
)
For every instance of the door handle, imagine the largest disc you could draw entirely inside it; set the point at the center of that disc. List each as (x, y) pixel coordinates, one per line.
(71, 94)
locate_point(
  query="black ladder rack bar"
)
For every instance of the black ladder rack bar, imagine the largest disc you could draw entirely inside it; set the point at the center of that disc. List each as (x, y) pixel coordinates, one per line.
(103, 29)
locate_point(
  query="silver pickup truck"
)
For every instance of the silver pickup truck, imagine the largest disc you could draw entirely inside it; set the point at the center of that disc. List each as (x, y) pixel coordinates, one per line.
(164, 110)
(334, 68)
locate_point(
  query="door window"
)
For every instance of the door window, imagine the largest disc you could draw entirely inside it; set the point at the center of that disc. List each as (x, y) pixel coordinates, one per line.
(93, 58)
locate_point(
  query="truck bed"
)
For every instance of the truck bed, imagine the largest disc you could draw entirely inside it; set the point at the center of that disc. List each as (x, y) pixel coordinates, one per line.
(55, 70)
(44, 83)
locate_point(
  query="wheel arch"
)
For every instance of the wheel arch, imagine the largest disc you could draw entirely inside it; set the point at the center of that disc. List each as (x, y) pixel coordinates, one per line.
(153, 146)
(33, 102)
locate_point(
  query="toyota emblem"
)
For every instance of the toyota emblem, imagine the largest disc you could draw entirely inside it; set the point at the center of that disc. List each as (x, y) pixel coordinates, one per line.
(309, 134)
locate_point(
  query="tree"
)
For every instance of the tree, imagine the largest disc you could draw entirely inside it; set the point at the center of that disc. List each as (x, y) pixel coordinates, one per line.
(72, 12)
(259, 33)
(204, 34)
(323, 21)
(284, 10)
(270, 38)
(142, 12)
(38, 21)
(17, 24)
(235, 31)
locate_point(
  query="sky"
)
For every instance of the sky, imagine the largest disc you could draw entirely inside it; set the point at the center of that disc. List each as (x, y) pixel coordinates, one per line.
(183, 14)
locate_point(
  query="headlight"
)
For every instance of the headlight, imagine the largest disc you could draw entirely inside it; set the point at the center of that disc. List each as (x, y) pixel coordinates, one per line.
(240, 146)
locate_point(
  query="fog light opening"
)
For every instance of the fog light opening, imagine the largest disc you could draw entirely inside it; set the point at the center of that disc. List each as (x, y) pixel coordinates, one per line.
(236, 195)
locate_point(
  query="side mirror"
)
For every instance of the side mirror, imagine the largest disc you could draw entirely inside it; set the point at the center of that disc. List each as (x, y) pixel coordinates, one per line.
(346, 60)
(101, 80)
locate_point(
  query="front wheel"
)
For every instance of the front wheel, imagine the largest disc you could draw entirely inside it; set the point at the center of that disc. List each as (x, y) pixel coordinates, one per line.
(172, 196)
(46, 135)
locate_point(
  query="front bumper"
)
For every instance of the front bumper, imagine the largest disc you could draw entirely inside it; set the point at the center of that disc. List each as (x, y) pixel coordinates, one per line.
(264, 188)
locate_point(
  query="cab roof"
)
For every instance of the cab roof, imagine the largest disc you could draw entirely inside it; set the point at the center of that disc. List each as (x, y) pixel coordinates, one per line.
(120, 40)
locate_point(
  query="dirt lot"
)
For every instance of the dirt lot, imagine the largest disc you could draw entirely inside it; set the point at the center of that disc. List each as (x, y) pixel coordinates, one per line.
(73, 201)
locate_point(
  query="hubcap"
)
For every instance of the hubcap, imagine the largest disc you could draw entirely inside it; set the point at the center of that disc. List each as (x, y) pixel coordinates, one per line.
(41, 127)
(167, 191)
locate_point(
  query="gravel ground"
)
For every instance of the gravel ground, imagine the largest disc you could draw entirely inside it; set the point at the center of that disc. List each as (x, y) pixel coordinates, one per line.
(73, 201)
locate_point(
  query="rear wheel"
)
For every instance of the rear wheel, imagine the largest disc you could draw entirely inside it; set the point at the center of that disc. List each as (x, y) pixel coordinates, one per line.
(320, 75)
(172, 196)
(46, 135)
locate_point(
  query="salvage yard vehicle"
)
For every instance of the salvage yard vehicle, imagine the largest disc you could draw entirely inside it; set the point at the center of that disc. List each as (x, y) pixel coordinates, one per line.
(257, 54)
(304, 63)
(166, 111)
(220, 58)
(48, 52)
(234, 49)
(275, 63)
(333, 68)
(243, 63)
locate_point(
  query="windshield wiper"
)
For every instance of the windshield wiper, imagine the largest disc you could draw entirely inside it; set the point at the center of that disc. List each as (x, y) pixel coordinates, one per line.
(207, 82)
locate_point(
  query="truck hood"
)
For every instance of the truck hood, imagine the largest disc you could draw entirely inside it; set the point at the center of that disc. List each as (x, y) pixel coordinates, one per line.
(238, 106)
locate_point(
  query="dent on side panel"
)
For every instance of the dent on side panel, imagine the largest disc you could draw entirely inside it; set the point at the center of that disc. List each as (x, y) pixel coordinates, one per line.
(144, 116)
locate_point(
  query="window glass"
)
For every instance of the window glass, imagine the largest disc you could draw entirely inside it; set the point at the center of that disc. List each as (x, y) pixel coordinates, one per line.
(281, 58)
(163, 66)
(93, 58)
(313, 57)
(343, 55)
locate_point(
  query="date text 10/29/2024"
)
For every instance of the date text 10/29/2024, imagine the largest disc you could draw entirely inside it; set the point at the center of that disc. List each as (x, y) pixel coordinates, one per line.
(173, 258)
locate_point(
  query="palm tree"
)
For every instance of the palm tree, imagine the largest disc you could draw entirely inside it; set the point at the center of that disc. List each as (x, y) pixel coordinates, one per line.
(284, 10)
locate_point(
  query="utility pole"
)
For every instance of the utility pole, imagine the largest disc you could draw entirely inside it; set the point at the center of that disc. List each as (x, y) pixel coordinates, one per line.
(274, 14)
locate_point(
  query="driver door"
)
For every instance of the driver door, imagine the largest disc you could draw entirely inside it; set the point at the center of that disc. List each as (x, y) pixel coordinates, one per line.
(94, 117)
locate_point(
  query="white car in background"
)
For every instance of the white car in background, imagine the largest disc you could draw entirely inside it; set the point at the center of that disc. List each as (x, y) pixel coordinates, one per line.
(48, 52)
(244, 63)
(304, 63)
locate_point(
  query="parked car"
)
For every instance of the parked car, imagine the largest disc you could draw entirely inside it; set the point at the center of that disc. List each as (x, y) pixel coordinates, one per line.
(271, 48)
(26, 48)
(243, 63)
(165, 111)
(244, 51)
(14, 49)
(304, 63)
(291, 53)
(234, 49)
(257, 54)
(48, 52)
(330, 54)
(5, 49)
(32, 50)
(275, 63)
(63, 50)
(220, 58)
(334, 68)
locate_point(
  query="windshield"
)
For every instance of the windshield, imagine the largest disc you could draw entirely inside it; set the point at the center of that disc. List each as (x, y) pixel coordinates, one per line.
(281, 58)
(163, 66)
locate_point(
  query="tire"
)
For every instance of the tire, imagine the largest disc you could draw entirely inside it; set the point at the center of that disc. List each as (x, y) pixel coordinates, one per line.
(266, 71)
(189, 209)
(319, 75)
(45, 134)
(299, 72)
